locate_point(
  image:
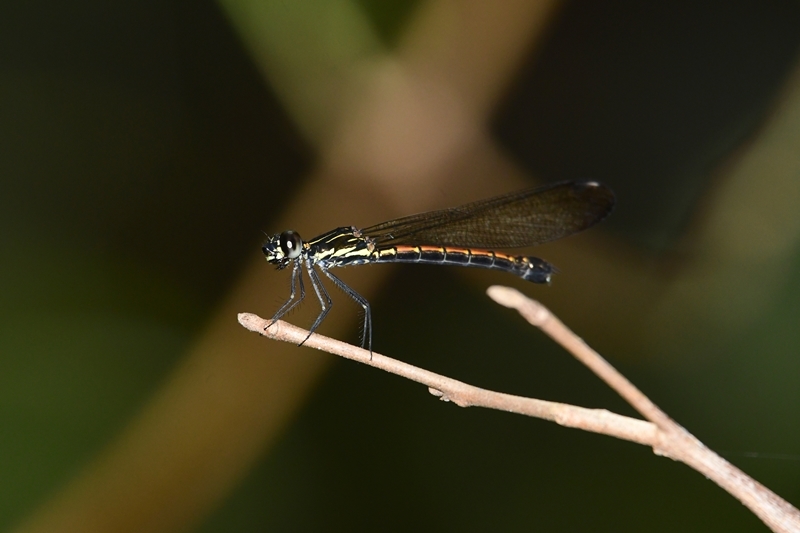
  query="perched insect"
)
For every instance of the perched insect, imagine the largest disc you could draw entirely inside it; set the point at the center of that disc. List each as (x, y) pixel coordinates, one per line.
(465, 236)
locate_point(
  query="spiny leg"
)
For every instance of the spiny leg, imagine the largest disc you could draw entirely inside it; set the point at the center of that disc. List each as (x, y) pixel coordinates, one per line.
(291, 303)
(367, 338)
(324, 300)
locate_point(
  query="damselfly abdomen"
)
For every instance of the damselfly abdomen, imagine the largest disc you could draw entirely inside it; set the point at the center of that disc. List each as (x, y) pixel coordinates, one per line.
(465, 236)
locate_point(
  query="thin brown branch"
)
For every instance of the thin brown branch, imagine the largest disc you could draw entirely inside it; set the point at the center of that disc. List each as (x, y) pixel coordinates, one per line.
(541, 317)
(661, 433)
(462, 394)
(672, 440)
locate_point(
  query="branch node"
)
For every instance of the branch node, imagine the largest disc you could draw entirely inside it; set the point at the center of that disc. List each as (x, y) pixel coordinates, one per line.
(439, 394)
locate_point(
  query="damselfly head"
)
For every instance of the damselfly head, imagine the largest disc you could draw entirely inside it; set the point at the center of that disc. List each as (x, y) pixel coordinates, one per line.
(282, 248)
(272, 250)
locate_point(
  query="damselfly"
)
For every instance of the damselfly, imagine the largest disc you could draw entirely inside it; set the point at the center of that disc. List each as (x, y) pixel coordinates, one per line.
(465, 236)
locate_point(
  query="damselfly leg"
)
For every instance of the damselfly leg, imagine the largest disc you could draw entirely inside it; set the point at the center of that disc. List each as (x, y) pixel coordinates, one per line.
(291, 303)
(366, 338)
(324, 300)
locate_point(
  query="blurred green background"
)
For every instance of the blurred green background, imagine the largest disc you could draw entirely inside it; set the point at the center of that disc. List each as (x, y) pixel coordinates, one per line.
(143, 151)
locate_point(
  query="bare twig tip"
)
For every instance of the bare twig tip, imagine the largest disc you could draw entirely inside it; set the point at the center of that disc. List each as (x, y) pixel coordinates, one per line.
(249, 320)
(533, 311)
(505, 296)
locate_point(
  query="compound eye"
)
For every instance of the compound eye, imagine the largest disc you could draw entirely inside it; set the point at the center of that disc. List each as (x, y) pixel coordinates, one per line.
(291, 244)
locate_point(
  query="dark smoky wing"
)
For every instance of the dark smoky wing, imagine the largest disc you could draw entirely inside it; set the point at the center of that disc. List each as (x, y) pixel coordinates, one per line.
(524, 218)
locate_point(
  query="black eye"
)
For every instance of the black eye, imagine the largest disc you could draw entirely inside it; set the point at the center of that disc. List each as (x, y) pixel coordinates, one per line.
(291, 244)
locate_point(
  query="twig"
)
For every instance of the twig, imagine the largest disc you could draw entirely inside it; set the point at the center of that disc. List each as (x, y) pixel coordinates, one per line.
(672, 440)
(462, 394)
(661, 433)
